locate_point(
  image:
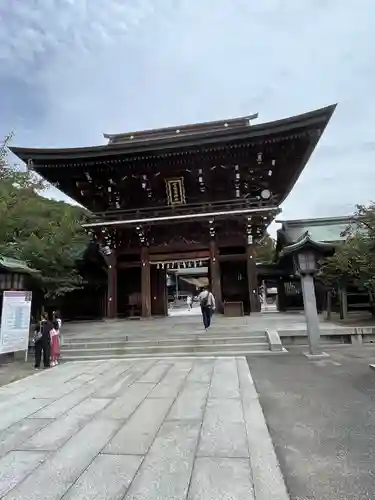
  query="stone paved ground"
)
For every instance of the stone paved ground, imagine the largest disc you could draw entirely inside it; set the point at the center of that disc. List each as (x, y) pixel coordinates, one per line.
(147, 429)
(321, 416)
(15, 370)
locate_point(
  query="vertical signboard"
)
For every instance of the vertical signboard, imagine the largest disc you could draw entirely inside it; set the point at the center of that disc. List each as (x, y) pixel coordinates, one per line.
(15, 321)
(175, 191)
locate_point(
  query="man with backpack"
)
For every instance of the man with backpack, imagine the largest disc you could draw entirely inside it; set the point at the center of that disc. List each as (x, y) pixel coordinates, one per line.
(207, 302)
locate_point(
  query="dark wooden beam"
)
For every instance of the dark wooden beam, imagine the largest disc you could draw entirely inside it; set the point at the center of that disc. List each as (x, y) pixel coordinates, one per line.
(252, 278)
(232, 258)
(128, 265)
(112, 286)
(216, 275)
(168, 257)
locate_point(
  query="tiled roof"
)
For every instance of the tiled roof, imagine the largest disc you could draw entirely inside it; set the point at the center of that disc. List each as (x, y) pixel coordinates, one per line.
(16, 266)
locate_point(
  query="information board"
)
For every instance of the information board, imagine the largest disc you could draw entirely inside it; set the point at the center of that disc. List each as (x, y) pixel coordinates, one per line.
(15, 321)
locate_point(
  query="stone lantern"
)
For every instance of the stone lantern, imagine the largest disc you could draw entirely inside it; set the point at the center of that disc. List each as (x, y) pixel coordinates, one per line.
(306, 254)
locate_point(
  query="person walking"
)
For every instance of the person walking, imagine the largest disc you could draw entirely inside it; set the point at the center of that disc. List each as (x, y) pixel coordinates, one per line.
(189, 302)
(42, 340)
(207, 302)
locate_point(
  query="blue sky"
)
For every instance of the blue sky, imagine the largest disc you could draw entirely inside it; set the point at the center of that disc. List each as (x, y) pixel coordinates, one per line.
(73, 69)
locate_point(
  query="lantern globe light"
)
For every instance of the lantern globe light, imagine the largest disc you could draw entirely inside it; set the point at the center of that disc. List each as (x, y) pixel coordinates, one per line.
(306, 262)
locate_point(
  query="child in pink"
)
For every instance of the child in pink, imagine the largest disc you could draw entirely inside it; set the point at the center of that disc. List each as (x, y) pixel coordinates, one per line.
(55, 347)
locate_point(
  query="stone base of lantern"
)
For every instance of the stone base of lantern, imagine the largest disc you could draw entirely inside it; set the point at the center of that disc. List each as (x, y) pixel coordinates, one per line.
(317, 356)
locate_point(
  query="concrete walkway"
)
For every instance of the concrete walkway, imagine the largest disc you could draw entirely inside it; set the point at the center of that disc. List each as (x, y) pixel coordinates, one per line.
(137, 429)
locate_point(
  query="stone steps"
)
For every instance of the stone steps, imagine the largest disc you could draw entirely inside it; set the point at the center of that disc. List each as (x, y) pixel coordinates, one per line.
(159, 350)
(75, 348)
(212, 354)
(167, 332)
(162, 342)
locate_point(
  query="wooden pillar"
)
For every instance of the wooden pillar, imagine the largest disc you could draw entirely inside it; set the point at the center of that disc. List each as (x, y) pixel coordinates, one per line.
(163, 277)
(112, 286)
(252, 279)
(329, 305)
(281, 296)
(216, 275)
(145, 283)
(159, 303)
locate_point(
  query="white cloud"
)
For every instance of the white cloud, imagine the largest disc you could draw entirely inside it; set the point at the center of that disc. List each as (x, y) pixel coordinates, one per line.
(89, 66)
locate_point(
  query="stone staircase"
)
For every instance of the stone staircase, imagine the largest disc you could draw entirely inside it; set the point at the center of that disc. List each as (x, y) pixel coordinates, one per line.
(88, 347)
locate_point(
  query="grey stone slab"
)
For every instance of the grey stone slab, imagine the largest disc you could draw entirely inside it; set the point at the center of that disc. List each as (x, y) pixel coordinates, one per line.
(182, 364)
(57, 377)
(124, 406)
(137, 435)
(85, 377)
(15, 466)
(15, 435)
(15, 413)
(221, 478)
(34, 382)
(131, 375)
(18, 397)
(225, 379)
(267, 476)
(113, 389)
(52, 479)
(202, 371)
(165, 472)
(55, 390)
(98, 367)
(110, 377)
(223, 431)
(59, 431)
(190, 403)
(107, 478)
(101, 367)
(171, 384)
(155, 373)
(64, 404)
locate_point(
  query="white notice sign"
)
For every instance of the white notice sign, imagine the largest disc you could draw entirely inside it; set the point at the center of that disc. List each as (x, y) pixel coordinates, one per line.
(15, 321)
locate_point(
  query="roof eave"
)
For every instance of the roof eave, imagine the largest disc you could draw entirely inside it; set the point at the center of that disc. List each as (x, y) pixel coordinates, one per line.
(306, 242)
(329, 110)
(315, 118)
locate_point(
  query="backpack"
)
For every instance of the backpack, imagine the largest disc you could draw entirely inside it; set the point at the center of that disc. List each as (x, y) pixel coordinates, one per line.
(204, 300)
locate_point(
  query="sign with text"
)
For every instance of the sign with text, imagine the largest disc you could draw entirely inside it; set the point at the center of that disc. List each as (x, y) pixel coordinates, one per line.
(15, 321)
(175, 191)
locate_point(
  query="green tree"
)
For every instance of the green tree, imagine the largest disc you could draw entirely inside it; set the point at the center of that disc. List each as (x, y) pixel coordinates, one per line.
(265, 250)
(354, 259)
(47, 234)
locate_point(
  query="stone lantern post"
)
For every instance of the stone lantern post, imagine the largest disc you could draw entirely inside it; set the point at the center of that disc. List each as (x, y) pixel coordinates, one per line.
(306, 254)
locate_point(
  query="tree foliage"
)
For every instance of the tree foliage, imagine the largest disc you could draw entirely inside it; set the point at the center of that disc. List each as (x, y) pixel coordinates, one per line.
(47, 234)
(265, 250)
(354, 259)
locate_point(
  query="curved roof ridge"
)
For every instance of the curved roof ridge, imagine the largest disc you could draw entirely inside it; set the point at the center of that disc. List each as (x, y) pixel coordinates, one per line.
(191, 127)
